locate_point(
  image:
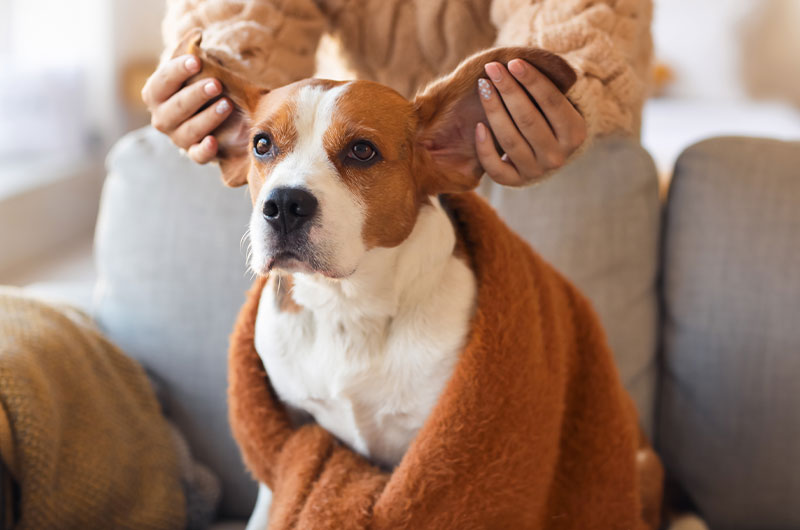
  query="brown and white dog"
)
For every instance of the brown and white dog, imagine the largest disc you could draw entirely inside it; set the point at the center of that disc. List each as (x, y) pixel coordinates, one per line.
(366, 276)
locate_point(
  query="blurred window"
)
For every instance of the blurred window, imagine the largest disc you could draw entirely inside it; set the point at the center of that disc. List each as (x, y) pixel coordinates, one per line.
(45, 51)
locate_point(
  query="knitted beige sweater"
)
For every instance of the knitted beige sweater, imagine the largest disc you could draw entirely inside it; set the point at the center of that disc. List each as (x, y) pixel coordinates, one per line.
(405, 43)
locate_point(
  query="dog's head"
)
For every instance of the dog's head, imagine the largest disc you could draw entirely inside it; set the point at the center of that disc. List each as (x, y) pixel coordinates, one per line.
(338, 168)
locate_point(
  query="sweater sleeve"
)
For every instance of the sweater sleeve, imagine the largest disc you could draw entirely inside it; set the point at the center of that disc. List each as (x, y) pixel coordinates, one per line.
(608, 42)
(270, 42)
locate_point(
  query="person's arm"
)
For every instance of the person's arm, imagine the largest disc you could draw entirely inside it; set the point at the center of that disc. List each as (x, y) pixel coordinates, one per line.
(607, 42)
(270, 42)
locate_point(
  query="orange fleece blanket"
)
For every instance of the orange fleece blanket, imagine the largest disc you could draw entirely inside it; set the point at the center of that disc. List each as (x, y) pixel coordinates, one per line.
(534, 429)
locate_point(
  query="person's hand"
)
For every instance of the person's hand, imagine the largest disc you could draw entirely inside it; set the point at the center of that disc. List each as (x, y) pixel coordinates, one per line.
(534, 140)
(174, 108)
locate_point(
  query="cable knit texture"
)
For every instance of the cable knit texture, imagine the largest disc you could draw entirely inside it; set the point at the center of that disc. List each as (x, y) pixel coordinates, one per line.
(406, 43)
(272, 42)
(81, 431)
(533, 430)
(607, 42)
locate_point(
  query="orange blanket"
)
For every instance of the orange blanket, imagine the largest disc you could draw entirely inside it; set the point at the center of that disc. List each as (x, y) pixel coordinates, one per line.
(534, 430)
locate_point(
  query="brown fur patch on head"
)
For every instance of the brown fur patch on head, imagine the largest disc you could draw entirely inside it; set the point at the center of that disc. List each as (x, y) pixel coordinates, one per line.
(273, 116)
(388, 187)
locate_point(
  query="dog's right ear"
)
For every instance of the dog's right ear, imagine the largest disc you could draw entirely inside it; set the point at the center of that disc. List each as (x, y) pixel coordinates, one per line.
(233, 135)
(449, 108)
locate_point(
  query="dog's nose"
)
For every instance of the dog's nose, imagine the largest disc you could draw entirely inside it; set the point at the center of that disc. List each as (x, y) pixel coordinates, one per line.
(287, 209)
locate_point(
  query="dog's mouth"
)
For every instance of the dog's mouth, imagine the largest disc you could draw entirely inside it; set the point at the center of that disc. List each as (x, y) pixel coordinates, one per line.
(295, 253)
(288, 261)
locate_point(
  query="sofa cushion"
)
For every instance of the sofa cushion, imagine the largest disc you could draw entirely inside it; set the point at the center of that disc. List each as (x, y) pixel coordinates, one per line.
(729, 420)
(597, 221)
(171, 278)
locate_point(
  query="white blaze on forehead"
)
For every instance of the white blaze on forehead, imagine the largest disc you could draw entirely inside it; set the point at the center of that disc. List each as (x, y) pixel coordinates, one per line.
(313, 113)
(336, 233)
(314, 108)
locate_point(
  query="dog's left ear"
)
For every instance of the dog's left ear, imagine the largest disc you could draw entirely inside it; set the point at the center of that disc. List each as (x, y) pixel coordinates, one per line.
(233, 135)
(449, 108)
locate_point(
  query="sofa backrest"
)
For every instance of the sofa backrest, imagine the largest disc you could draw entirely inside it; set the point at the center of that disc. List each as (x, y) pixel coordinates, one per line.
(172, 273)
(171, 278)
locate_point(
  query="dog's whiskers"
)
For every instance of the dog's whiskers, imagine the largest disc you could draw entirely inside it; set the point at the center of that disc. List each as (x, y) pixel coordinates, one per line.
(245, 236)
(248, 253)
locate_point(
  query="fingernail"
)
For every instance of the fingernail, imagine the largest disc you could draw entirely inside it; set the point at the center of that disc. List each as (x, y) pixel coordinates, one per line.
(192, 64)
(207, 142)
(494, 72)
(223, 106)
(516, 67)
(480, 132)
(211, 88)
(484, 88)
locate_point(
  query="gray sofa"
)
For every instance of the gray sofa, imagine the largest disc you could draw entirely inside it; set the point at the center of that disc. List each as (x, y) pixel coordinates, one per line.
(699, 294)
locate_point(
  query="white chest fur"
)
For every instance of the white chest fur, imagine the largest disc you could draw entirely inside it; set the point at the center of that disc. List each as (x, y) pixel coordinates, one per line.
(368, 356)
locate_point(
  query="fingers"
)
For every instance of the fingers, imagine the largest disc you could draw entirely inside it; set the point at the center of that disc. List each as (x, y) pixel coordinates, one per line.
(511, 141)
(205, 151)
(498, 169)
(566, 122)
(201, 125)
(534, 139)
(168, 78)
(527, 118)
(173, 112)
(175, 109)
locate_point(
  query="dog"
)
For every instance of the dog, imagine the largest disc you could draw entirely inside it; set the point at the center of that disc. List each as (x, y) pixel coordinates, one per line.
(367, 275)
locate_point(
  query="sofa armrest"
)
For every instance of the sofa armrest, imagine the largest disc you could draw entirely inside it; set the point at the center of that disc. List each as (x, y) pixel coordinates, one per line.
(75, 294)
(171, 278)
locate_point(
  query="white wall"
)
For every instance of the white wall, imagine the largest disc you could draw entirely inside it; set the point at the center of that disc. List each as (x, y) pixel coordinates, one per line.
(100, 36)
(728, 56)
(138, 29)
(42, 36)
(708, 44)
(697, 40)
(57, 201)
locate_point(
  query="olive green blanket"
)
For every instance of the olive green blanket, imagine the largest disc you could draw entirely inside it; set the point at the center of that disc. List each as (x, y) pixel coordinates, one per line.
(81, 434)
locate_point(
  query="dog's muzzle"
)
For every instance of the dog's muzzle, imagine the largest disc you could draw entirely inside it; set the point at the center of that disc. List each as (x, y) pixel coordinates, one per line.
(289, 214)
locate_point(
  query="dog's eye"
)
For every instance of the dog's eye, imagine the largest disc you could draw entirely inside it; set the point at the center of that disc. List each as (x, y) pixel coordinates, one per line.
(262, 145)
(362, 151)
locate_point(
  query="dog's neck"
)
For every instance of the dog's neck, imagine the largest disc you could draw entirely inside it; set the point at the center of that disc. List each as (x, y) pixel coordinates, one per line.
(368, 355)
(388, 280)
